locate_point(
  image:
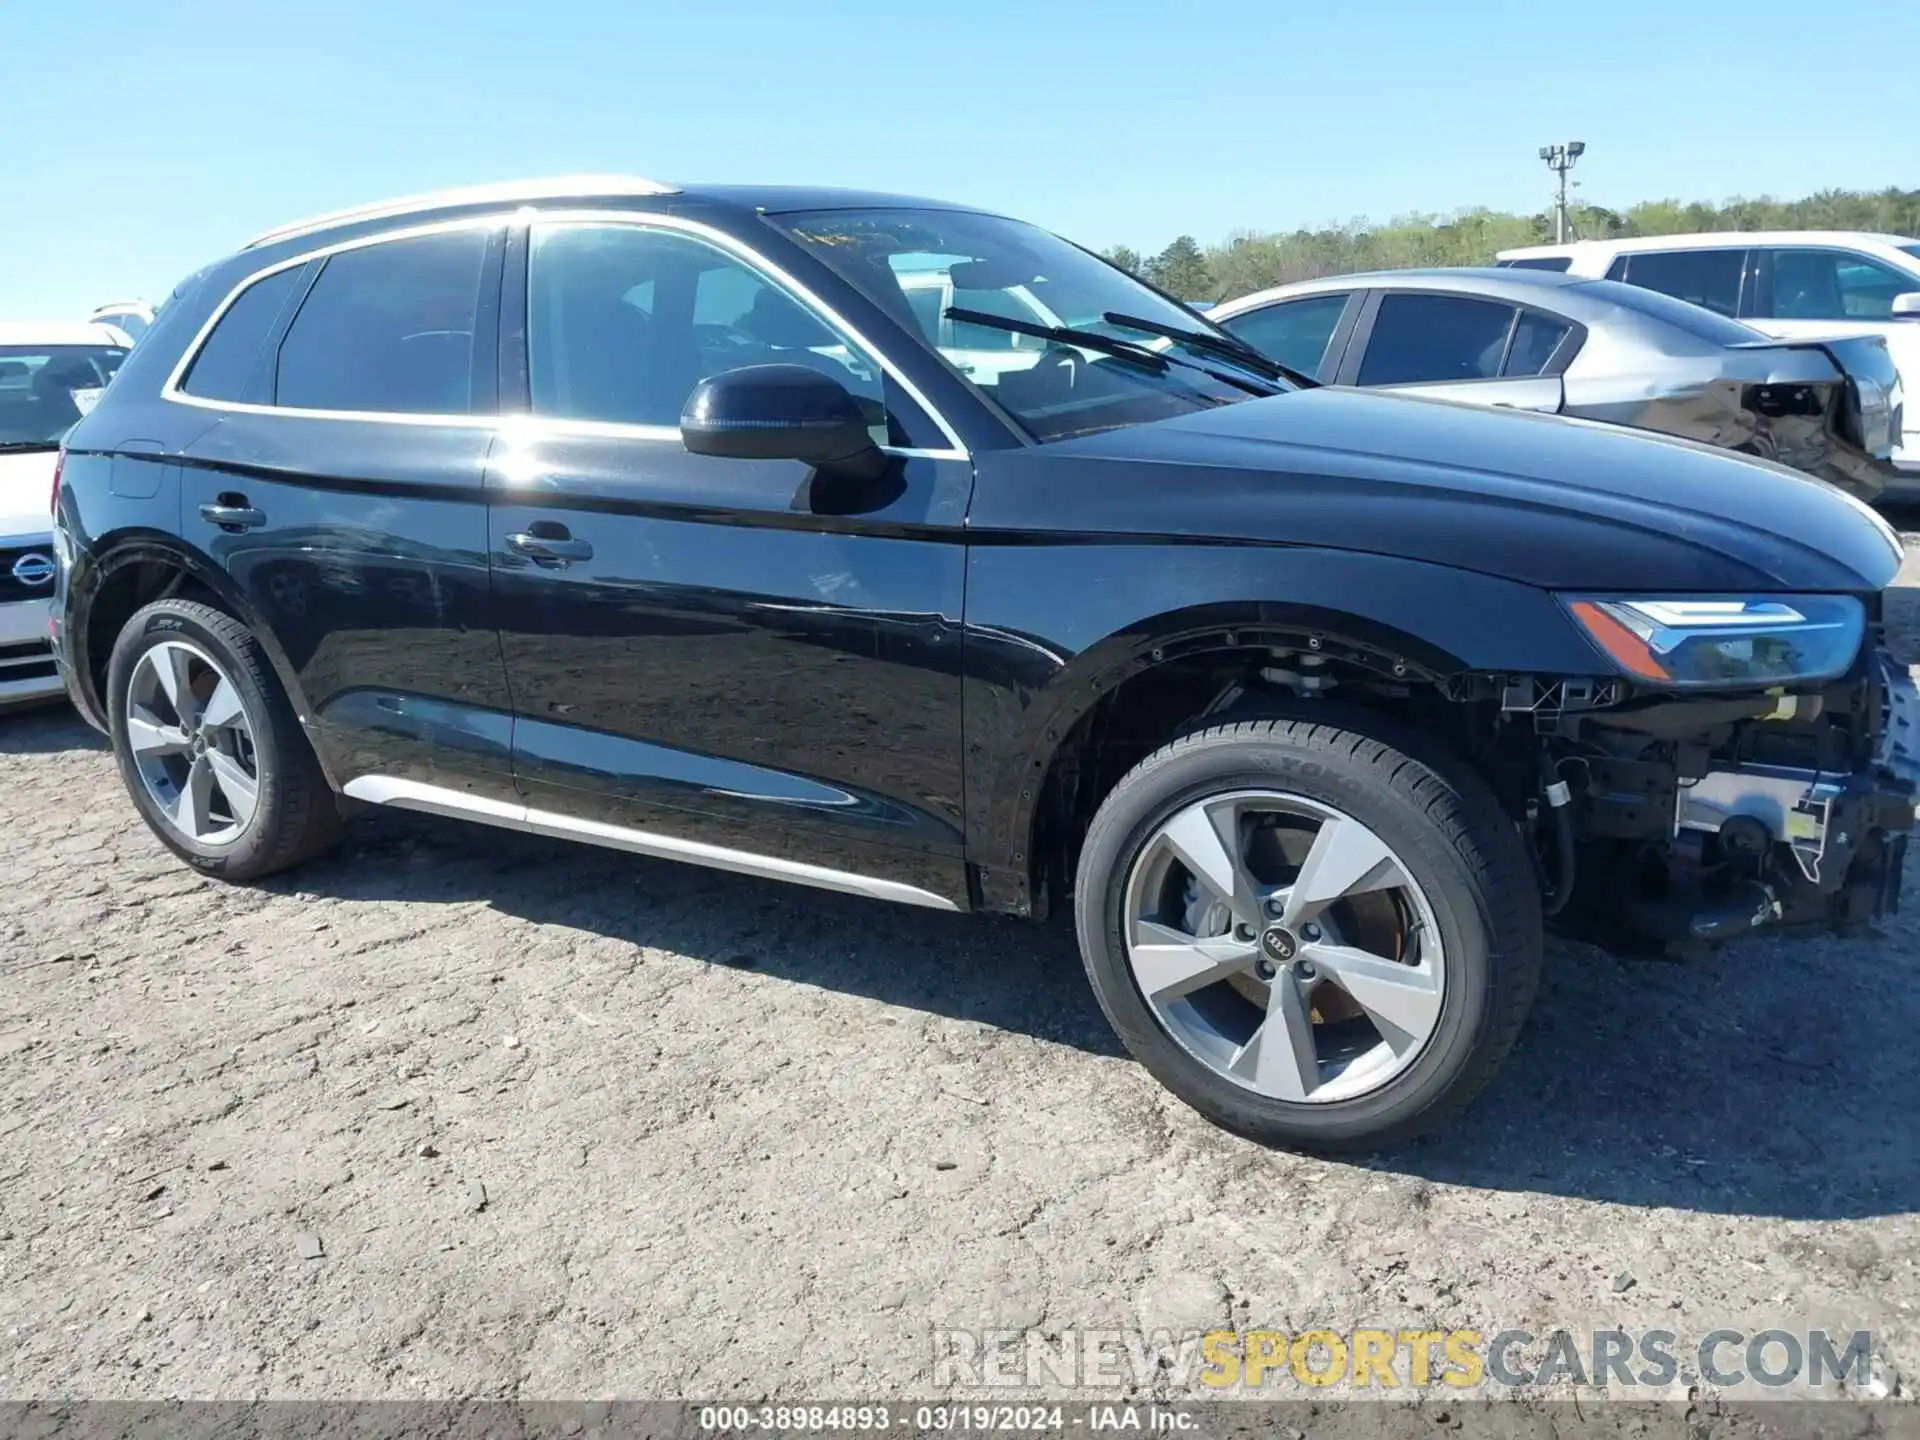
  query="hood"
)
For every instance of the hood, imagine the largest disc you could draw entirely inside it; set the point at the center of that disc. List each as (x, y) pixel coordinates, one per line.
(1564, 504)
(26, 488)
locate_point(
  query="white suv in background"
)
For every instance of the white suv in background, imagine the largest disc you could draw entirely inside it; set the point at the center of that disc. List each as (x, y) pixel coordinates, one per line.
(1790, 283)
(50, 375)
(130, 317)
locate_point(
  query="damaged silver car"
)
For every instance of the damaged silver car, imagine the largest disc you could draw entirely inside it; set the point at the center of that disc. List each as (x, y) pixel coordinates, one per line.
(1597, 349)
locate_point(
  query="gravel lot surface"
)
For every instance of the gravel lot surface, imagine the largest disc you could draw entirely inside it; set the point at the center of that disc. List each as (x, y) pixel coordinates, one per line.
(457, 1112)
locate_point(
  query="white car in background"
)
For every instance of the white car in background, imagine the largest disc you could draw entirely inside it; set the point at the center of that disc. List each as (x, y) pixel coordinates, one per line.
(130, 317)
(1789, 283)
(50, 375)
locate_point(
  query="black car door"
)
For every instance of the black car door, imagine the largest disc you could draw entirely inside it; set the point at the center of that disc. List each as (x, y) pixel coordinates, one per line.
(743, 662)
(341, 489)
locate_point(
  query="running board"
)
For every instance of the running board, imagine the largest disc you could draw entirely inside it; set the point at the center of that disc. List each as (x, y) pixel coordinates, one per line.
(438, 800)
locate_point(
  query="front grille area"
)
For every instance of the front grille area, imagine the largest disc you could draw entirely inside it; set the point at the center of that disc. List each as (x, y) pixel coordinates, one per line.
(15, 588)
(27, 660)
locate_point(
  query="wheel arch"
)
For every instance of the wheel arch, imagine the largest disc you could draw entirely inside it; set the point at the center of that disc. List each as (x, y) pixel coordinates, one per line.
(133, 568)
(1171, 660)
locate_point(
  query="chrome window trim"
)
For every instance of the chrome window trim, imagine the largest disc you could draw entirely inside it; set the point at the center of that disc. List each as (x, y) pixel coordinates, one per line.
(438, 800)
(719, 239)
(171, 389)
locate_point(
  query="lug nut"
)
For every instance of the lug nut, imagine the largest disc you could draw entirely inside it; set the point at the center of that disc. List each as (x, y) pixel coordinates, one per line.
(1276, 907)
(1310, 932)
(1243, 931)
(1264, 969)
(1304, 970)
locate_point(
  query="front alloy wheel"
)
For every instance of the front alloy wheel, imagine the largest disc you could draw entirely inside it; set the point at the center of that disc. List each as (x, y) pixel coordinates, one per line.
(192, 743)
(1319, 933)
(1285, 946)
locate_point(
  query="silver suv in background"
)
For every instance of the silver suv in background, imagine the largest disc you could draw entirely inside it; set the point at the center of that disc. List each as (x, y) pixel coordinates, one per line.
(1784, 282)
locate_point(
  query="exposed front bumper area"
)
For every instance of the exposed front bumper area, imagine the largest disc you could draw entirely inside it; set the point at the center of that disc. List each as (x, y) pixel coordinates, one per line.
(1691, 839)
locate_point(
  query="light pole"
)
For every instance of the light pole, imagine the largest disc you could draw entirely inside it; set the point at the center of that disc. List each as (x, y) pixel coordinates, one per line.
(1560, 160)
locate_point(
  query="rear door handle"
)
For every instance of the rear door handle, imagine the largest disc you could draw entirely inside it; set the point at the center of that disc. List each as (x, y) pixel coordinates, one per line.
(237, 516)
(553, 550)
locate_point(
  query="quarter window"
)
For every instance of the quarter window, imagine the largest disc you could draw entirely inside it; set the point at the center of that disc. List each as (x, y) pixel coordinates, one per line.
(1558, 264)
(388, 328)
(1710, 278)
(1535, 339)
(1427, 338)
(1294, 332)
(226, 360)
(623, 321)
(1835, 285)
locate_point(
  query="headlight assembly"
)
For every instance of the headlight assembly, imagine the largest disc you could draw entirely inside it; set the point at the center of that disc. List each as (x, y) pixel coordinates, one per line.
(1697, 642)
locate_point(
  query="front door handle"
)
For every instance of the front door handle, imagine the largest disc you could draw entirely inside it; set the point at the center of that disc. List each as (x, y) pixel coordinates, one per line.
(231, 512)
(551, 550)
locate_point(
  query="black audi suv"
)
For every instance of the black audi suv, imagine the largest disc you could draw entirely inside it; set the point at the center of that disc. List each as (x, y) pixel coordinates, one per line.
(905, 549)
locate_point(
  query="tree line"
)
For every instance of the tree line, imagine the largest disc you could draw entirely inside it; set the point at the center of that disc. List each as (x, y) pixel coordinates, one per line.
(1253, 260)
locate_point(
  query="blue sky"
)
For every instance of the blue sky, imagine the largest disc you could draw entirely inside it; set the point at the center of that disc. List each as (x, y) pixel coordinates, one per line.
(145, 137)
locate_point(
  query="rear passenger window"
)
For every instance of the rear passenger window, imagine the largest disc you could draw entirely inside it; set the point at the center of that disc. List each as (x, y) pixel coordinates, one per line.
(1535, 339)
(1426, 338)
(388, 328)
(1709, 278)
(221, 369)
(1294, 332)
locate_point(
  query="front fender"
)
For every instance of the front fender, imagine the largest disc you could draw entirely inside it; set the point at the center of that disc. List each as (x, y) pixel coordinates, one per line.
(1051, 629)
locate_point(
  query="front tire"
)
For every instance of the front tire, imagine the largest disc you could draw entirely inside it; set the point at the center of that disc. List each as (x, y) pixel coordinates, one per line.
(1319, 937)
(209, 746)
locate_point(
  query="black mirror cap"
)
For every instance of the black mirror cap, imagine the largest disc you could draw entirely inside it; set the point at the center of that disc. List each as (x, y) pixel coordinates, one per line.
(778, 412)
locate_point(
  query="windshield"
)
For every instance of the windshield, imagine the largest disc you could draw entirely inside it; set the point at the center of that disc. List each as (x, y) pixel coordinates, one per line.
(45, 389)
(920, 264)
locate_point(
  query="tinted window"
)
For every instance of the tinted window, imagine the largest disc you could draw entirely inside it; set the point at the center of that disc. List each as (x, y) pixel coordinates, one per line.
(1556, 263)
(1913, 250)
(1710, 278)
(1294, 332)
(1834, 285)
(1535, 339)
(388, 328)
(220, 370)
(45, 389)
(1435, 337)
(623, 322)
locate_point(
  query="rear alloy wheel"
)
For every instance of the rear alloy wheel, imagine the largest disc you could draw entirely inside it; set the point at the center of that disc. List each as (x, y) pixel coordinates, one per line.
(209, 747)
(1310, 935)
(192, 743)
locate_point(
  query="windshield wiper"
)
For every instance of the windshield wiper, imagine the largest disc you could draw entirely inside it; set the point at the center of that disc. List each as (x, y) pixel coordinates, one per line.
(1224, 346)
(1120, 349)
(8, 447)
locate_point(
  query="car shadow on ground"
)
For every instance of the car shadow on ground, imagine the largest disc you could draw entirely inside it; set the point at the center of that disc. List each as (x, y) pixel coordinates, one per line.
(1769, 1081)
(45, 729)
(1776, 1080)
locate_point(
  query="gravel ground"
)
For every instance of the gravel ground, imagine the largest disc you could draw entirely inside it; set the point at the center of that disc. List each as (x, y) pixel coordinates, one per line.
(456, 1112)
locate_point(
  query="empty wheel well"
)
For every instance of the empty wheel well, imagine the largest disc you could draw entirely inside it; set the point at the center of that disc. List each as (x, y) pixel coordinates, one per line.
(125, 591)
(1150, 708)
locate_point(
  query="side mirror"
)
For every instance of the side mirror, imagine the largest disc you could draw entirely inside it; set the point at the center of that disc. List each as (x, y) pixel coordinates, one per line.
(1907, 306)
(781, 412)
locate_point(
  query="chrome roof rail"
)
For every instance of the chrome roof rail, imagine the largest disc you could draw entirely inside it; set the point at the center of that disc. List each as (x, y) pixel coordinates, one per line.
(505, 192)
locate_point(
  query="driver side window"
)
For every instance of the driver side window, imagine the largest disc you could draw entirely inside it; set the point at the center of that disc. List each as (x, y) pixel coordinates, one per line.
(624, 320)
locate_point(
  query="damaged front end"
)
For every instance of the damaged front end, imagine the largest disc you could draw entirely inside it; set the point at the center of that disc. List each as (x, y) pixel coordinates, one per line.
(1668, 815)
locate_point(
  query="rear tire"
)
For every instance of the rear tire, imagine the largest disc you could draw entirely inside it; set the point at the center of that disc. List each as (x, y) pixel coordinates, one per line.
(1410, 984)
(224, 775)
